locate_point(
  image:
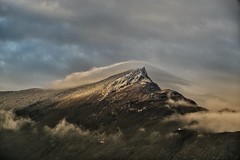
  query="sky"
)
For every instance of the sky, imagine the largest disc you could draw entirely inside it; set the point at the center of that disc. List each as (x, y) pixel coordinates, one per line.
(42, 41)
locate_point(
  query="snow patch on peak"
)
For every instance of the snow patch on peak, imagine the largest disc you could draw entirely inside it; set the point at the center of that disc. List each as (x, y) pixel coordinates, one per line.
(136, 76)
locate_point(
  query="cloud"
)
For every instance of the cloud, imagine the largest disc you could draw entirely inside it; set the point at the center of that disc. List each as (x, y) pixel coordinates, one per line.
(211, 94)
(163, 78)
(67, 140)
(56, 38)
(210, 121)
(9, 121)
(179, 103)
(64, 128)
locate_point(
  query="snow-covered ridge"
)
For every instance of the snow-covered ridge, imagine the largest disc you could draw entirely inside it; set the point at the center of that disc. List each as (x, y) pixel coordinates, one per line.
(136, 76)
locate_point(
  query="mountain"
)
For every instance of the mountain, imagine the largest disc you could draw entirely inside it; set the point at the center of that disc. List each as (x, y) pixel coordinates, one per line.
(121, 117)
(107, 102)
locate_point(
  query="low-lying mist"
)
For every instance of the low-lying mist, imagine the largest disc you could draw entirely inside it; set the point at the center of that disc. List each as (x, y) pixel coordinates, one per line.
(22, 138)
(209, 121)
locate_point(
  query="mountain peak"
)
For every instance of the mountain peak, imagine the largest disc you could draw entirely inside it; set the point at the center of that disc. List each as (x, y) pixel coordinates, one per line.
(141, 70)
(138, 76)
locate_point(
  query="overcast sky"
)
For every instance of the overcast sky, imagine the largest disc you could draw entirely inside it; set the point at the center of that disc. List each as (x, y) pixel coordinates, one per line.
(45, 40)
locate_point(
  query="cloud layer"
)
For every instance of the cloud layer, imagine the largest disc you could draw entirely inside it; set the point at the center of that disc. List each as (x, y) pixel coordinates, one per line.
(8, 121)
(210, 121)
(69, 141)
(163, 78)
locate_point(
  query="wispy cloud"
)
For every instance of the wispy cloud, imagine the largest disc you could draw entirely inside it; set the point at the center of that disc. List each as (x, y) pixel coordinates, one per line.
(9, 121)
(162, 77)
(210, 121)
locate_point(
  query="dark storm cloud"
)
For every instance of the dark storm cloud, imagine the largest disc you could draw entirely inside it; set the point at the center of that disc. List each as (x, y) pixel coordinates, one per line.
(112, 25)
